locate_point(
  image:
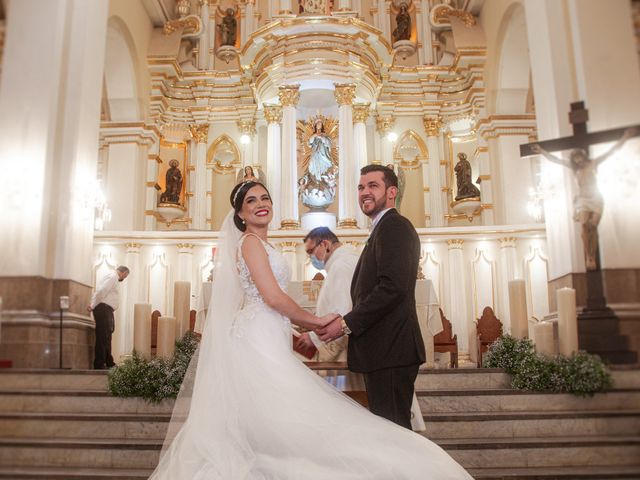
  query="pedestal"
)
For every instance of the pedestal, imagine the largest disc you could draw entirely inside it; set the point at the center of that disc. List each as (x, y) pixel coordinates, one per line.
(311, 220)
(598, 326)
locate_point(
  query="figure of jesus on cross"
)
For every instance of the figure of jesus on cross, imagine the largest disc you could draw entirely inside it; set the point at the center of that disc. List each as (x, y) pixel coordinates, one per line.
(588, 203)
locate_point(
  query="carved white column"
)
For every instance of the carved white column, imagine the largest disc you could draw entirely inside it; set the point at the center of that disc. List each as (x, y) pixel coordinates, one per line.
(458, 312)
(444, 182)
(249, 20)
(360, 115)
(185, 262)
(384, 124)
(508, 271)
(247, 127)
(347, 164)
(289, 96)
(486, 182)
(130, 294)
(289, 253)
(199, 213)
(432, 128)
(383, 18)
(211, 34)
(203, 40)
(425, 54)
(273, 116)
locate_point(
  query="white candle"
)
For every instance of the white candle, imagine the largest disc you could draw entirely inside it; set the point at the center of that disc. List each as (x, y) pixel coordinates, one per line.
(567, 320)
(142, 329)
(166, 337)
(518, 308)
(181, 306)
(543, 335)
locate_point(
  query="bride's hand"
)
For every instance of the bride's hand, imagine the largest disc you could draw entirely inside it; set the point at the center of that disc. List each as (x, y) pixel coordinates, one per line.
(327, 319)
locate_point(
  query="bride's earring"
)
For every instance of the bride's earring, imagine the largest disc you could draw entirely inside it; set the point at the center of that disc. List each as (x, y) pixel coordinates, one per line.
(243, 222)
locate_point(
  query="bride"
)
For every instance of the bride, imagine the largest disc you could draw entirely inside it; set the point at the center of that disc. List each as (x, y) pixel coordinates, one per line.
(250, 409)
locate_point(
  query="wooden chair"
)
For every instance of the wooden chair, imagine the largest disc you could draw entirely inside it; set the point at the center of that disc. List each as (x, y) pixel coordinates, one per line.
(192, 320)
(445, 341)
(154, 331)
(488, 329)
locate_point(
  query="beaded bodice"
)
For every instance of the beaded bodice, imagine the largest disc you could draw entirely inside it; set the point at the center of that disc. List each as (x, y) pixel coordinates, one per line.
(279, 267)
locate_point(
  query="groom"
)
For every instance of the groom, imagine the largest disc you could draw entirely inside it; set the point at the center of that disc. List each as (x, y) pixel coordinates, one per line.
(384, 335)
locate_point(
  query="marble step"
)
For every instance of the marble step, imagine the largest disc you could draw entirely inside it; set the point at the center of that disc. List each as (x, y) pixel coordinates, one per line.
(539, 425)
(506, 453)
(558, 473)
(63, 473)
(439, 425)
(478, 453)
(79, 453)
(53, 379)
(68, 401)
(84, 425)
(489, 400)
(428, 379)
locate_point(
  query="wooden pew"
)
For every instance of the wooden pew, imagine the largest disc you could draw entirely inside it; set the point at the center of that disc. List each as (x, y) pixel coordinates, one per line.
(445, 341)
(488, 329)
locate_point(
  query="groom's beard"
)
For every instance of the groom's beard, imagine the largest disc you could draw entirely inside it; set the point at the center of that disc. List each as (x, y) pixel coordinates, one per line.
(379, 205)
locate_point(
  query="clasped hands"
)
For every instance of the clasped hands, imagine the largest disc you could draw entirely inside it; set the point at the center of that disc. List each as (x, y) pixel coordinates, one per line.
(330, 329)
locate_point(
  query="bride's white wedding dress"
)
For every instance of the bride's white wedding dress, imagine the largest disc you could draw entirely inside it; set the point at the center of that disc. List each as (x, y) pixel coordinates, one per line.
(271, 417)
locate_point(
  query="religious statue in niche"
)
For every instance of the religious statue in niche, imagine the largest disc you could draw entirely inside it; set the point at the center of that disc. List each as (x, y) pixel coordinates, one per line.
(317, 140)
(588, 204)
(403, 24)
(251, 174)
(317, 7)
(464, 182)
(173, 184)
(228, 28)
(401, 183)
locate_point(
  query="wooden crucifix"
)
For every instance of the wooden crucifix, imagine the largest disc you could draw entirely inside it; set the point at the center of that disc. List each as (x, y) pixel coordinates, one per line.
(588, 203)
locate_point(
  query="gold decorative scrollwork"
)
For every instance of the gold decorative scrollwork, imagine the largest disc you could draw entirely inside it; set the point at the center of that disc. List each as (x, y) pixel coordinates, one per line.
(200, 133)
(289, 95)
(361, 112)
(247, 127)
(432, 126)
(273, 113)
(442, 12)
(345, 93)
(190, 25)
(454, 243)
(384, 124)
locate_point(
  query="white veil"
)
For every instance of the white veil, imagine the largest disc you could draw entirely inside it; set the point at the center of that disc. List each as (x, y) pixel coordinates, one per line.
(204, 432)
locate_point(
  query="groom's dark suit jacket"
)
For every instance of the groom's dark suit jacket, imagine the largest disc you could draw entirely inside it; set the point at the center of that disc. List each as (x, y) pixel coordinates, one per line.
(383, 322)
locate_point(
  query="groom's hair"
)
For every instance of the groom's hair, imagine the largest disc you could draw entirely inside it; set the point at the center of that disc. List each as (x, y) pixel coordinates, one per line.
(319, 234)
(390, 177)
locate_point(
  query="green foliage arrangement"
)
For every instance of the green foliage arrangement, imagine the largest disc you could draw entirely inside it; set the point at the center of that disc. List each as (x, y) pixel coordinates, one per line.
(581, 374)
(154, 379)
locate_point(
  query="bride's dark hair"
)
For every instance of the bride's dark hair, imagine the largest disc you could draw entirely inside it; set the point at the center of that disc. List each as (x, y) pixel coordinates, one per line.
(237, 198)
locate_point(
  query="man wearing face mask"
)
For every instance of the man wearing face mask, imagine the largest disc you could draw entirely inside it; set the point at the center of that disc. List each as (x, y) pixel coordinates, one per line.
(327, 253)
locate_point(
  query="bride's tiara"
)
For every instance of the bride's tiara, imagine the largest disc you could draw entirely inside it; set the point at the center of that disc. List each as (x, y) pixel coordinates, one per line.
(235, 195)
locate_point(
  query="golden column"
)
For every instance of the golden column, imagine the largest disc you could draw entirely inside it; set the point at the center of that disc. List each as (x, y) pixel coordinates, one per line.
(289, 96)
(360, 115)
(347, 166)
(273, 116)
(200, 134)
(432, 127)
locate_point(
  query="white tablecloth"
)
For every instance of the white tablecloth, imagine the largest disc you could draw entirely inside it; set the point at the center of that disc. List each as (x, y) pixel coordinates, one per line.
(428, 316)
(204, 296)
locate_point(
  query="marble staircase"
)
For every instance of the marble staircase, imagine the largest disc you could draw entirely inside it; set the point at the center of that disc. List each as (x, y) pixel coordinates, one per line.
(65, 425)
